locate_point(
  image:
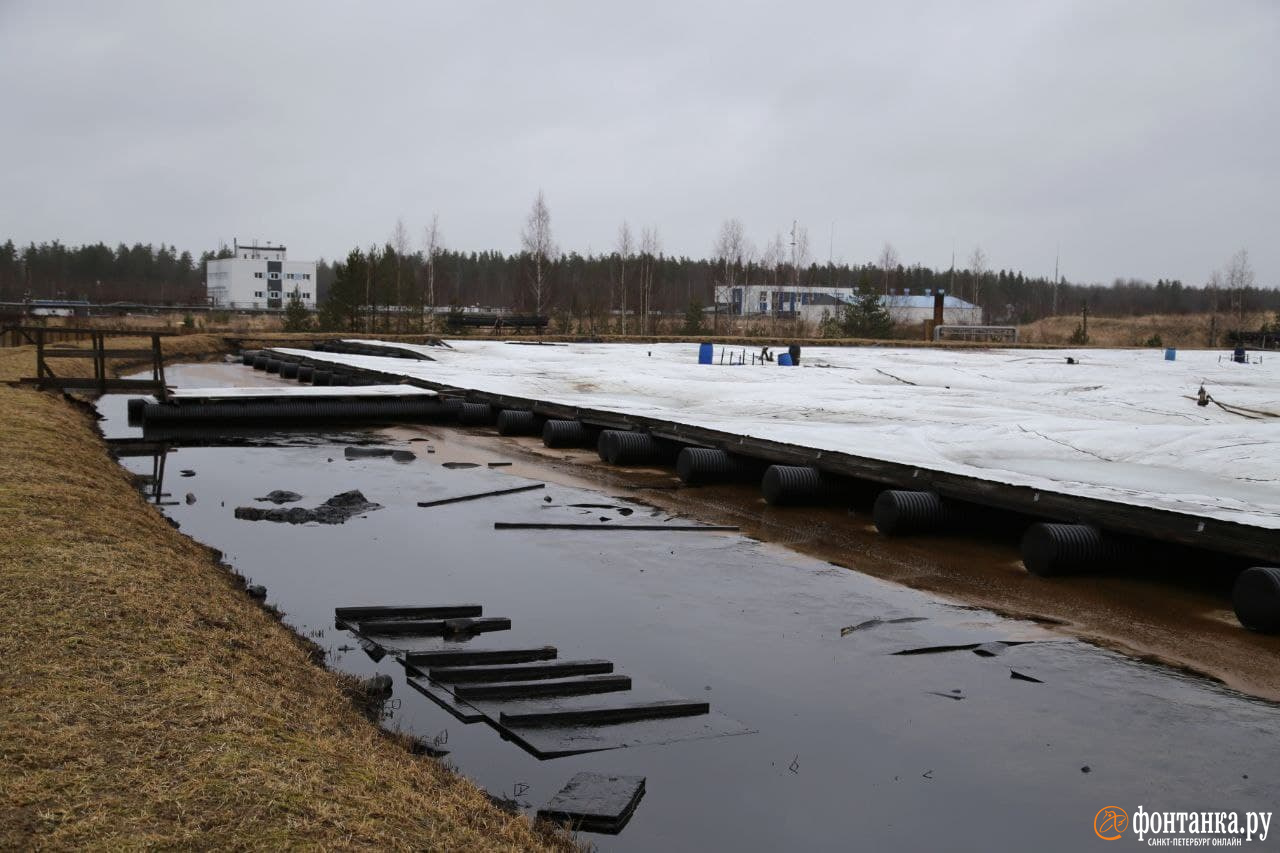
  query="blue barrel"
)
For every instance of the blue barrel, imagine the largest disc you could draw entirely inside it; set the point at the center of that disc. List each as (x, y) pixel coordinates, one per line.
(784, 359)
(706, 352)
(1170, 354)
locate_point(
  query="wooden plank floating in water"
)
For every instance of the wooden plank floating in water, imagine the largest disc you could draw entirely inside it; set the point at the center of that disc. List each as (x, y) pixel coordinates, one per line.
(441, 696)
(589, 685)
(456, 611)
(606, 715)
(434, 627)
(521, 672)
(466, 657)
(595, 802)
(493, 494)
(676, 528)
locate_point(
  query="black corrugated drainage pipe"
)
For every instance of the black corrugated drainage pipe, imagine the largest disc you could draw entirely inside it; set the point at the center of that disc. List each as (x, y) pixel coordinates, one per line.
(518, 422)
(247, 356)
(621, 447)
(560, 433)
(796, 485)
(259, 362)
(475, 414)
(414, 408)
(288, 370)
(902, 513)
(1256, 597)
(134, 409)
(273, 365)
(321, 377)
(1050, 549)
(304, 372)
(699, 466)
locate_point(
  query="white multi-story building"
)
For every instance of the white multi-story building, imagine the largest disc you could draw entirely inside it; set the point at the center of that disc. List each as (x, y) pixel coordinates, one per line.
(259, 277)
(812, 303)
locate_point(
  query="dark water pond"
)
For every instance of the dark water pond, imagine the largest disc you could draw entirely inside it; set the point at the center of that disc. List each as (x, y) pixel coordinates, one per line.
(853, 746)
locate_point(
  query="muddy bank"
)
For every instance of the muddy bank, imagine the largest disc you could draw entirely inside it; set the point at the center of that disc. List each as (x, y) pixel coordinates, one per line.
(1184, 623)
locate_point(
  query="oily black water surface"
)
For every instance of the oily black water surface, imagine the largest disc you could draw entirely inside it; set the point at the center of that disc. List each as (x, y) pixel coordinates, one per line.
(854, 746)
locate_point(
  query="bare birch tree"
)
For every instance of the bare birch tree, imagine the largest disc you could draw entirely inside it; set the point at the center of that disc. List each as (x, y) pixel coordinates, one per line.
(541, 248)
(978, 269)
(774, 257)
(1238, 279)
(626, 248)
(888, 264)
(400, 242)
(432, 243)
(730, 248)
(650, 246)
(800, 256)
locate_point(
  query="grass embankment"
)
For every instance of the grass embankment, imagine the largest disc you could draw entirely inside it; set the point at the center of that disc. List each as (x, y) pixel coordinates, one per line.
(1172, 330)
(146, 700)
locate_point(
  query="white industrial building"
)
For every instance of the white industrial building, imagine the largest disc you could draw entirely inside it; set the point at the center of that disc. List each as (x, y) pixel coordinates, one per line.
(810, 303)
(259, 277)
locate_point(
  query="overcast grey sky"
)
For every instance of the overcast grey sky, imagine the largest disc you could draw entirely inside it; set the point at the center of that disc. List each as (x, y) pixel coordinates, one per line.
(1140, 137)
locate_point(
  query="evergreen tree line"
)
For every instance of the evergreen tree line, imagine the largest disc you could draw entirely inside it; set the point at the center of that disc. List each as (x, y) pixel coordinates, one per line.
(98, 273)
(584, 291)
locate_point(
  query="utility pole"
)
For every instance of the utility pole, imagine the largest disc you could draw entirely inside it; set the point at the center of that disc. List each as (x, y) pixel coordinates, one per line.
(951, 277)
(1056, 255)
(795, 268)
(831, 253)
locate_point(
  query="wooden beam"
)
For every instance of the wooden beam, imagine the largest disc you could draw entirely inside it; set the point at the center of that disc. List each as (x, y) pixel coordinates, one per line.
(82, 383)
(613, 714)
(94, 354)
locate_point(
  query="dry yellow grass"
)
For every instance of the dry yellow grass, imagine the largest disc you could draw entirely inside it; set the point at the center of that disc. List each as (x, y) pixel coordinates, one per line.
(146, 701)
(1174, 330)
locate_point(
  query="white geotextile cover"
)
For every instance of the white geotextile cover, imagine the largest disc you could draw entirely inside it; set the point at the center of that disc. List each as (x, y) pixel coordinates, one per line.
(1120, 425)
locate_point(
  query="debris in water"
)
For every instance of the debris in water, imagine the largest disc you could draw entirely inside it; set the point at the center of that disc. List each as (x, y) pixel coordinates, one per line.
(990, 650)
(499, 464)
(378, 685)
(256, 591)
(336, 510)
(1086, 769)
(379, 453)
(456, 465)
(280, 496)
(187, 472)
(954, 694)
(1018, 676)
(492, 494)
(190, 498)
(871, 623)
(595, 802)
(507, 804)
(964, 647)
(677, 528)
(422, 746)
